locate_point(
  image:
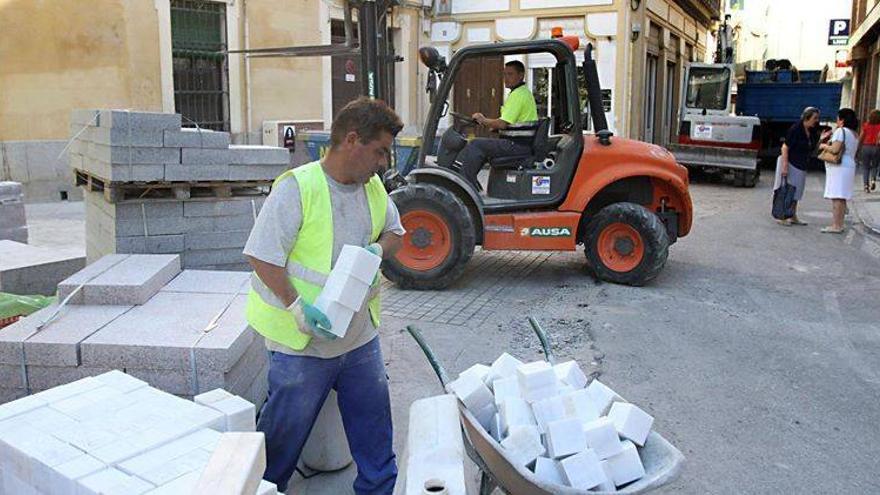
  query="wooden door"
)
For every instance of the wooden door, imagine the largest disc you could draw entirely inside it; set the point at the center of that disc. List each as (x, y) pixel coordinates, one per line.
(479, 87)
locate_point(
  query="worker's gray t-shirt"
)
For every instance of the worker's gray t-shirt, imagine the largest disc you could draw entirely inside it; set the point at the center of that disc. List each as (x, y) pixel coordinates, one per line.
(274, 234)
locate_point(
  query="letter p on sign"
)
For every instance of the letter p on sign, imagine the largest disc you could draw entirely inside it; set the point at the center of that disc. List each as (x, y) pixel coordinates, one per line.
(841, 28)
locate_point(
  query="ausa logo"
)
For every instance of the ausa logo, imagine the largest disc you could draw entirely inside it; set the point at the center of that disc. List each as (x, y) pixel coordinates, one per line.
(545, 232)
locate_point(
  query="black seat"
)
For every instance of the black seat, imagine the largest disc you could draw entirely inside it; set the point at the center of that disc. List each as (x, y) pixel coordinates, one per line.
(538, 131)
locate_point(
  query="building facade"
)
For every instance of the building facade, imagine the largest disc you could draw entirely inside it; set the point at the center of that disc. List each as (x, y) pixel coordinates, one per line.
(864, 46)
(161, 55)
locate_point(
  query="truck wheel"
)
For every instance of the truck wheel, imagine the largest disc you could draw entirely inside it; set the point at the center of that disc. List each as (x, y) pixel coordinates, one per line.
(746, 178)
(626, 244)
(440, 238)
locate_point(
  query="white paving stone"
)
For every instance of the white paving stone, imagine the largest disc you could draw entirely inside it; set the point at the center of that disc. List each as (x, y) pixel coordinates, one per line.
(626, 466)
(602, 438)
(523, 445)
(583, 470)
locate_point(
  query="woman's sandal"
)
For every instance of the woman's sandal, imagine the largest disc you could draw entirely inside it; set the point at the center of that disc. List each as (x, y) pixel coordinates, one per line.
(829, 230)
(798, 221)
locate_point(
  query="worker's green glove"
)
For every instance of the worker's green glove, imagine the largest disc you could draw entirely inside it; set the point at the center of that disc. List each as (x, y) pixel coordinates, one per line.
(376, 249)
(312, 319)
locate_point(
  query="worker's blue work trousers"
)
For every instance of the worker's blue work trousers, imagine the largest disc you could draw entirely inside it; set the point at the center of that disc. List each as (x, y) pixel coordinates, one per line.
(298, 386)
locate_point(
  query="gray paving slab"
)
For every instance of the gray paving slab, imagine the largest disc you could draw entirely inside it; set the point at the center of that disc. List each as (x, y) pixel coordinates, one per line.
(87, 274)
(26, 269)
(216, 240)
(222, 207)
(205, 156)
(218, 224)
(12, 214)
(196, 138)
(256, 172)
(156, 244)
(127, 172)
(11, 376)
(139, 120)
(190, 172)
(17, 234)
(136, 210)
(132, 154)
(121, 136)
(223, 345)
(234, 267)
(46, 377)
(157, 335)
(154, 225)
(202, 258)
(133, 281)
(208, 282)
(259, 155)
(58, 343)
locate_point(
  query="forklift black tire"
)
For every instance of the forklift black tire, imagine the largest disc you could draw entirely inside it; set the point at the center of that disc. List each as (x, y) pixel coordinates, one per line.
(746, 178)
(439, 241)
(625, 243)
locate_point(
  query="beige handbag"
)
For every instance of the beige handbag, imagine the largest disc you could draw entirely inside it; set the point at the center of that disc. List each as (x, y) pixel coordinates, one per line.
(831, 157)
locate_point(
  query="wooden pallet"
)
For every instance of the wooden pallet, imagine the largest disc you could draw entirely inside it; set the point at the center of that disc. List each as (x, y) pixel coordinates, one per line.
(115, 192)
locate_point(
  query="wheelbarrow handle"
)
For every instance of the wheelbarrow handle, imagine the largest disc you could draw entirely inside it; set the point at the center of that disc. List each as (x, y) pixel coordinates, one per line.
(438, 368)
(542, 336)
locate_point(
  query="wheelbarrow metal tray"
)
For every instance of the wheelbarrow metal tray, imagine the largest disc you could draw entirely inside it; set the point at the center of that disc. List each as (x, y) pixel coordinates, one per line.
(662, 461)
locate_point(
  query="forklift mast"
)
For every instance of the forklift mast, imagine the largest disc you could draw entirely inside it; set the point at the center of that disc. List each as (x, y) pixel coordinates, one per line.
(372, 44)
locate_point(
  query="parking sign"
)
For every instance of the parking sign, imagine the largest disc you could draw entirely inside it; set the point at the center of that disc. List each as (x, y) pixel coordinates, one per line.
(838, 32)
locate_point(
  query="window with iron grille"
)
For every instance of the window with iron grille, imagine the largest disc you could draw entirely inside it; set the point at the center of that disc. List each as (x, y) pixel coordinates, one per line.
(201, 78)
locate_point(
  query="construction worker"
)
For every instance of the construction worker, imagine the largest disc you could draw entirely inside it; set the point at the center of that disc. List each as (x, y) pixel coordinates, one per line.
(311, 213)
(518, 108)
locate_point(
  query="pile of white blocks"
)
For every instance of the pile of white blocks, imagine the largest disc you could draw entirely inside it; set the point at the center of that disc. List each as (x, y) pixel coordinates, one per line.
(347, 286)
(113, 434)
(183, 332)
(127, 146)
(13, 222)
(549, 419)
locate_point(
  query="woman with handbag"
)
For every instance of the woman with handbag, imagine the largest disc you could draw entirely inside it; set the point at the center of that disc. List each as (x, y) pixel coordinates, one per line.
(839, 156)
(800, 141)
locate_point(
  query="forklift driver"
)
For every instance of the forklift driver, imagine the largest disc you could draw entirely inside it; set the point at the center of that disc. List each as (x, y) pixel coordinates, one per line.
(519, 107)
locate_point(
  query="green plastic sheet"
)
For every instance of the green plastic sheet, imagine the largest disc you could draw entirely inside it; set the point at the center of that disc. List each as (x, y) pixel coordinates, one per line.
(16, 305)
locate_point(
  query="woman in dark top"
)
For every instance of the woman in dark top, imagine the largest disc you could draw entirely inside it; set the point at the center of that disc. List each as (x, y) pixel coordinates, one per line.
(800, 142)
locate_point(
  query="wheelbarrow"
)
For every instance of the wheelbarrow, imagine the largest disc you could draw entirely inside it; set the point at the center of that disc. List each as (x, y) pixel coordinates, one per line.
(662, 461)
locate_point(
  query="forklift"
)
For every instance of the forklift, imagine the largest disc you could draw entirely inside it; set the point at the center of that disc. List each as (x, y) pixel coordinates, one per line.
(624, 201)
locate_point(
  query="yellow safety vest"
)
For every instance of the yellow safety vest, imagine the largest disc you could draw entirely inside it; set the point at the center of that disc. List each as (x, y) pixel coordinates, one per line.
(308, 263)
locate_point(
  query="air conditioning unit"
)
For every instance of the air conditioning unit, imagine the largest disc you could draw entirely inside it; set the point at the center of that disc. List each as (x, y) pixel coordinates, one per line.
(283, 133)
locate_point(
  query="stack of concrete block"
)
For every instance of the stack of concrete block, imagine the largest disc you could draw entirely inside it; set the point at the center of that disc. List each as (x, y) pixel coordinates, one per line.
(208, 233)
(124, 146)
(150, 151)
(13, 223)
(550, 420)
(108, 434)
(183, 332)
(347, 286)
(28, 269)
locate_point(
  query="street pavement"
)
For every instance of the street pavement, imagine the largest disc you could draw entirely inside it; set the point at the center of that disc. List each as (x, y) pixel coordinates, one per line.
(757, 349)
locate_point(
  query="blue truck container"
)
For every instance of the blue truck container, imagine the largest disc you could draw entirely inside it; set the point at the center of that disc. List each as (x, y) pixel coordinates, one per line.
(780, 104)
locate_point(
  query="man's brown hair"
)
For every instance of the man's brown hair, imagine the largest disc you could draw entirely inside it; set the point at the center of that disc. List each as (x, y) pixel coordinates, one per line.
(368, 118)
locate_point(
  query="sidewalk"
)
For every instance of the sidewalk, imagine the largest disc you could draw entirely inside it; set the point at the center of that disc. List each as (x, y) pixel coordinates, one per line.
(867, 209)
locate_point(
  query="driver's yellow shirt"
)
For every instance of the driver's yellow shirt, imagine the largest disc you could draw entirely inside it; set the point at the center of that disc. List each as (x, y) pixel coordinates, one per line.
(519, 106)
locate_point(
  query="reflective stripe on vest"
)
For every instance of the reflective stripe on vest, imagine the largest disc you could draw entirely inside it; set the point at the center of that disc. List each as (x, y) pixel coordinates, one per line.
(308, 263)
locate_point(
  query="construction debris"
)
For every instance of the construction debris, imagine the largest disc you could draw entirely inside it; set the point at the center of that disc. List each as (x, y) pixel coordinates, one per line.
(152, 187)
(13, 222)
(114, 434)
(29, 270)
(182, 332)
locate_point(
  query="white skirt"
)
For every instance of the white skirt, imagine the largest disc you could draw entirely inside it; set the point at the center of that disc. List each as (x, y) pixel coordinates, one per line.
(839, 181)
